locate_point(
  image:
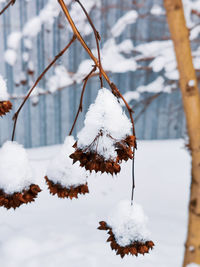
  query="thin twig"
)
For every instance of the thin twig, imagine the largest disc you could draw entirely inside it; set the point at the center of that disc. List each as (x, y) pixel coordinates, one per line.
(147, 103)
(15, 117)
(80, 108)
(113, 87)
(133, 179)
(97, 37)
(81, 40)
(7, 6)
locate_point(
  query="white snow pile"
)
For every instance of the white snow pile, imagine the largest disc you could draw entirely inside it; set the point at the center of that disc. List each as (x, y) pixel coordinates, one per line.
(156, 86)
(3, 90)
(113, 60)
(164, 57)
(10, 56)
(129, 18)
(47, 16)
(13, 40)
(129, 96)
(60, 79)
(31, 29)
(128, 223)
(191, 83)
(157, 10)
(193, 265)
(105, 115)
(15, 171)
(62, 170)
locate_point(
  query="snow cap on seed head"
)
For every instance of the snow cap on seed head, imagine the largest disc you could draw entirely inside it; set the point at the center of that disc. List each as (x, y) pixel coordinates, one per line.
(62, 170)
(15, 170)
(3, 90)
(105, 115)
(128, 223)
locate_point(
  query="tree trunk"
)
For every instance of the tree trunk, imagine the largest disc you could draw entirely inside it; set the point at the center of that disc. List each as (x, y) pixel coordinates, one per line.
(191, 103)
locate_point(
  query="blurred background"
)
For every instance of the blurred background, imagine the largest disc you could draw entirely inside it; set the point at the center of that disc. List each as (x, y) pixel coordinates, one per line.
(136, 51)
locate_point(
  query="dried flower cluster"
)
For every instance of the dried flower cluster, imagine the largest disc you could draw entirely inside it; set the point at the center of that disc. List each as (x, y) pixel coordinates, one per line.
(91, 160)
(63, 192)
(5, 107)
(135, 248)
(17, 199)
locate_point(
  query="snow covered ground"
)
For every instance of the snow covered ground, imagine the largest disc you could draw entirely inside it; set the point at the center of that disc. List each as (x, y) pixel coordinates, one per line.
(54, 232)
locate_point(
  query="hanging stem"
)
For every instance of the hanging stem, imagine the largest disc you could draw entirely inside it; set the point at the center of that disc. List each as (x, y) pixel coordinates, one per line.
(97, 37)
(133, 179)
(80, 108)
(7, 6)
(113, 87)
(81, 40)
(15, 117)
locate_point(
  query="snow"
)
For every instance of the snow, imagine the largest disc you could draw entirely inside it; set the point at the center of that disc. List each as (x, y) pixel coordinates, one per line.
(32, 27)
(10, 56)
(154, 87)
(79, 17)
(55, 232)
(62, 170)
(164, 57)
(15, 170)
(14, 40)
(128, 223)
(104, 115)
(25, 56)
(157, 10)
(129, 18)
(193, 265)
(194, 33)
(129, 96)
(60, 79)
(27, 43)
(3, 90)
(126, 46)
(191, 83)
(113, 60)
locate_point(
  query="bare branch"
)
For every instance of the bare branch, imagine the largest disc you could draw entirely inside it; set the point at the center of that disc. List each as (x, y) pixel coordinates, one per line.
(15, 117)
(80, 108)
(7, 6)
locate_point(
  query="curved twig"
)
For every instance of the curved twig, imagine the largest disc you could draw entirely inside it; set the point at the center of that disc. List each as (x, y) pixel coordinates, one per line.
(83, 43)
(80, 108)
(97, 37)
(15, 117)
(7, 6)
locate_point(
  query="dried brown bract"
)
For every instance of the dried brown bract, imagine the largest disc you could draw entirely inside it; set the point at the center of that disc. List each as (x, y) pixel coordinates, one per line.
(17, 199)
(137, 247)
(63, 192)
(91, 160)
(5, 107)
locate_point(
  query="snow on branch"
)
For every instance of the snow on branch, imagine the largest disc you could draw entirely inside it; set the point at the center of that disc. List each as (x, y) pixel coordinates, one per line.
(129, 18)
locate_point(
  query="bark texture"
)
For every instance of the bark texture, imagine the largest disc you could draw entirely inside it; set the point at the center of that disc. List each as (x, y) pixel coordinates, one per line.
(191, 103)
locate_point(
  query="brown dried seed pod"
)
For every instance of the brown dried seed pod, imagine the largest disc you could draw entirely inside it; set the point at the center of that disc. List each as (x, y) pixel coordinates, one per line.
(134, 249)
(63, 192)
(131, 140)
(17, 199)
(5, 107)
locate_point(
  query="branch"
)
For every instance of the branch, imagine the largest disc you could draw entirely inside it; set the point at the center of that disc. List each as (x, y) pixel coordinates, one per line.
(15, 117)
(146, 103)
(7, 6)
(97, 37)
(81, 99)
(81, 40)
(112, 85)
